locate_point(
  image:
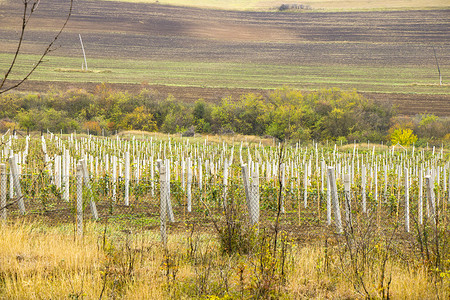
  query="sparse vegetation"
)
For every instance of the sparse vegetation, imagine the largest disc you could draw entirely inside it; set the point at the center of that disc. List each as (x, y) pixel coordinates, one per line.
(324, 115)
(213, 250)
(41, 260)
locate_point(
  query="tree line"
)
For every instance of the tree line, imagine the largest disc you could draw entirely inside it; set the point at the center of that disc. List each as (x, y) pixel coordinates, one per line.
(285, 113)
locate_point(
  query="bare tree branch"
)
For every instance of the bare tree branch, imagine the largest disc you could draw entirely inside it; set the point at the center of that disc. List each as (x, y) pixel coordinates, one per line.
(25, 19)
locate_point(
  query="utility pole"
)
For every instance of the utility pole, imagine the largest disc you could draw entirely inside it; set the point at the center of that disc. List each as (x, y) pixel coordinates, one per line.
(437, 64)
(84, 54)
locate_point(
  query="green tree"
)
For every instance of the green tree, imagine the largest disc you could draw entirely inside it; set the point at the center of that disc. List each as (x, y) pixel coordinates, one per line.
(139, 119)
(404, 137)
(201, 117)
(285, 115)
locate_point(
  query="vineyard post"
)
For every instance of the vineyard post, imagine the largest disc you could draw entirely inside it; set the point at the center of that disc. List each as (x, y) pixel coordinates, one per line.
(444, 170)
(225, 182)
(168, 202)
(385, 173)
(305, 186)
(66, 171)
(420, 204)
(283, 179)
(430, 196)
(329, 200)
(353, 171)
(79, 180)
(363, 188)
(137, 168)
(127, 178)
(106, 172)
(200, 171)
(114, 178)
(399, 174)
(406, 199)
(16, 182)
(448, 195)
(254, 197)
(347, 201)
(448, 190)
(447, 185)
(334, 195)
(152, 176)
(11, 178)
(376, 198)
(3, 191)
(87, 183)
(247, 189)
(163, 202)
(319, 194)
(189, 184)
(183, 171)
(322, 172)
(58, 171)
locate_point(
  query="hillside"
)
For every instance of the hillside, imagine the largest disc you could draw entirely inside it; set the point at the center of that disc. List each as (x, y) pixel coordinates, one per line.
(387, 54)
(340, 5)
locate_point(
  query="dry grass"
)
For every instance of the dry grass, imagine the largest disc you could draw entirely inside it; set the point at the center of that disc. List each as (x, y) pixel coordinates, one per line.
(200, 138)
(38, 261)
(311, 280)
(42, 262)
(68, 70)
(364, 146)
(238, 138)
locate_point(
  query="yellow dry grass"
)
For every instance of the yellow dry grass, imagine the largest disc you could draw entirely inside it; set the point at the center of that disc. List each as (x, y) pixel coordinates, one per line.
(200, 138)
(311, 281)
(38, 261)
(43, 262)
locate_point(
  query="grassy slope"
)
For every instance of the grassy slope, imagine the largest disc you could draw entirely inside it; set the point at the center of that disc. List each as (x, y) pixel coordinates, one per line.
(235, 75)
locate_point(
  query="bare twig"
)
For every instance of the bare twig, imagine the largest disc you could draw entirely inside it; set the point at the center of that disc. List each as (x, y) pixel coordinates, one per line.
(280, 182)
(25, 18)
(11, 203)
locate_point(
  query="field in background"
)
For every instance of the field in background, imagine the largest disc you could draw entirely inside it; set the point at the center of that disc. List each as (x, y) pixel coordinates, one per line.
(312, 5)
(387, 55)
(388, 79)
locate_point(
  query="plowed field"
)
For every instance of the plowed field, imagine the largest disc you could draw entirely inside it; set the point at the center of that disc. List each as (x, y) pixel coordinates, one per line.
(345, 41)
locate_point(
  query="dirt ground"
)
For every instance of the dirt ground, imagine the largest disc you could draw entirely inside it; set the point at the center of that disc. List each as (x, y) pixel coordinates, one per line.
(159, 32)
(153, 31)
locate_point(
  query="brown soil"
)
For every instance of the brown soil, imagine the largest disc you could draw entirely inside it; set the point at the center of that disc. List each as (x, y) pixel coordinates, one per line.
(158, 32)
(152, 31)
